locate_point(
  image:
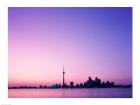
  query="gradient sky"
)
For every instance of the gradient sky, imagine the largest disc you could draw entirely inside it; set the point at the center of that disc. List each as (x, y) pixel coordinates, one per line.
(87, 41)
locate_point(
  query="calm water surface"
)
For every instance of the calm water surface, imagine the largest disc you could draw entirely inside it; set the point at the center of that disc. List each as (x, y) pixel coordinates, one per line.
(71, 93)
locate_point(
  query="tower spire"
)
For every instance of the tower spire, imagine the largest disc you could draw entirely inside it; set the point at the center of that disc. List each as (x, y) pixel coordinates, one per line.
(63, 78)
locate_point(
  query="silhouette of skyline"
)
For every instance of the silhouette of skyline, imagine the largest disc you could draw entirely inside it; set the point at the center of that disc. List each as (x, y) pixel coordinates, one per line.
(92, 41)
(97, 83)
(90, 83)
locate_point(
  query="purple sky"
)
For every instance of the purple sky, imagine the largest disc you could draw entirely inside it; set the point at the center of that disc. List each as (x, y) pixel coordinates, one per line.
(87, 41)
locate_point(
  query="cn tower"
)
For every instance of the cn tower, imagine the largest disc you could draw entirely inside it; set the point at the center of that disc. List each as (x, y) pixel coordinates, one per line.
(63, 78)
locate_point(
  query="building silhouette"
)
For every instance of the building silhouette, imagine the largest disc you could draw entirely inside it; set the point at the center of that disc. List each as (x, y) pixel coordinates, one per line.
(71, 85)
(63, 86)
(89, 83)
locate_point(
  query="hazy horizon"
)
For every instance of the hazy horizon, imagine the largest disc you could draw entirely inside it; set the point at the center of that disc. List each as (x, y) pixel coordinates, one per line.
(94, 42)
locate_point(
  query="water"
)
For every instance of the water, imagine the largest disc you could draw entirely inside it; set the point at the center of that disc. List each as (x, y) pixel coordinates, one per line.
(71, 93)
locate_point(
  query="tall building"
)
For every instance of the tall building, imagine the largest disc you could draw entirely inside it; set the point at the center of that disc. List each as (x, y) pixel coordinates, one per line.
(63, 78)
(71, 84)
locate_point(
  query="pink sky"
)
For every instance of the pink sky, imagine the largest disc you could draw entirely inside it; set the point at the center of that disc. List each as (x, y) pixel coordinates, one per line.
(87, 41)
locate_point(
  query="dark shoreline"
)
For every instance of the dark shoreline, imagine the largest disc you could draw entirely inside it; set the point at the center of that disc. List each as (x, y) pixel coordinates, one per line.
(67, 88)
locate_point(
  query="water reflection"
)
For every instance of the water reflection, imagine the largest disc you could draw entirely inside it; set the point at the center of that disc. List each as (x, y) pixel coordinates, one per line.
(71, 93)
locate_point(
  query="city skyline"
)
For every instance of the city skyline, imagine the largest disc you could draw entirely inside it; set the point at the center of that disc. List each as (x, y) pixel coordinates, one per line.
(86, 41)
(90, 83)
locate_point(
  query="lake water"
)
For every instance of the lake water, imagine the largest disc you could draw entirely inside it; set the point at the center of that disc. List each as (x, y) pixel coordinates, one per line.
(71, 93)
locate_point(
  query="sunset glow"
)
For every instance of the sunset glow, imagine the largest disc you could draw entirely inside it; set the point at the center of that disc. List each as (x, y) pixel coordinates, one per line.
(94, 42)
